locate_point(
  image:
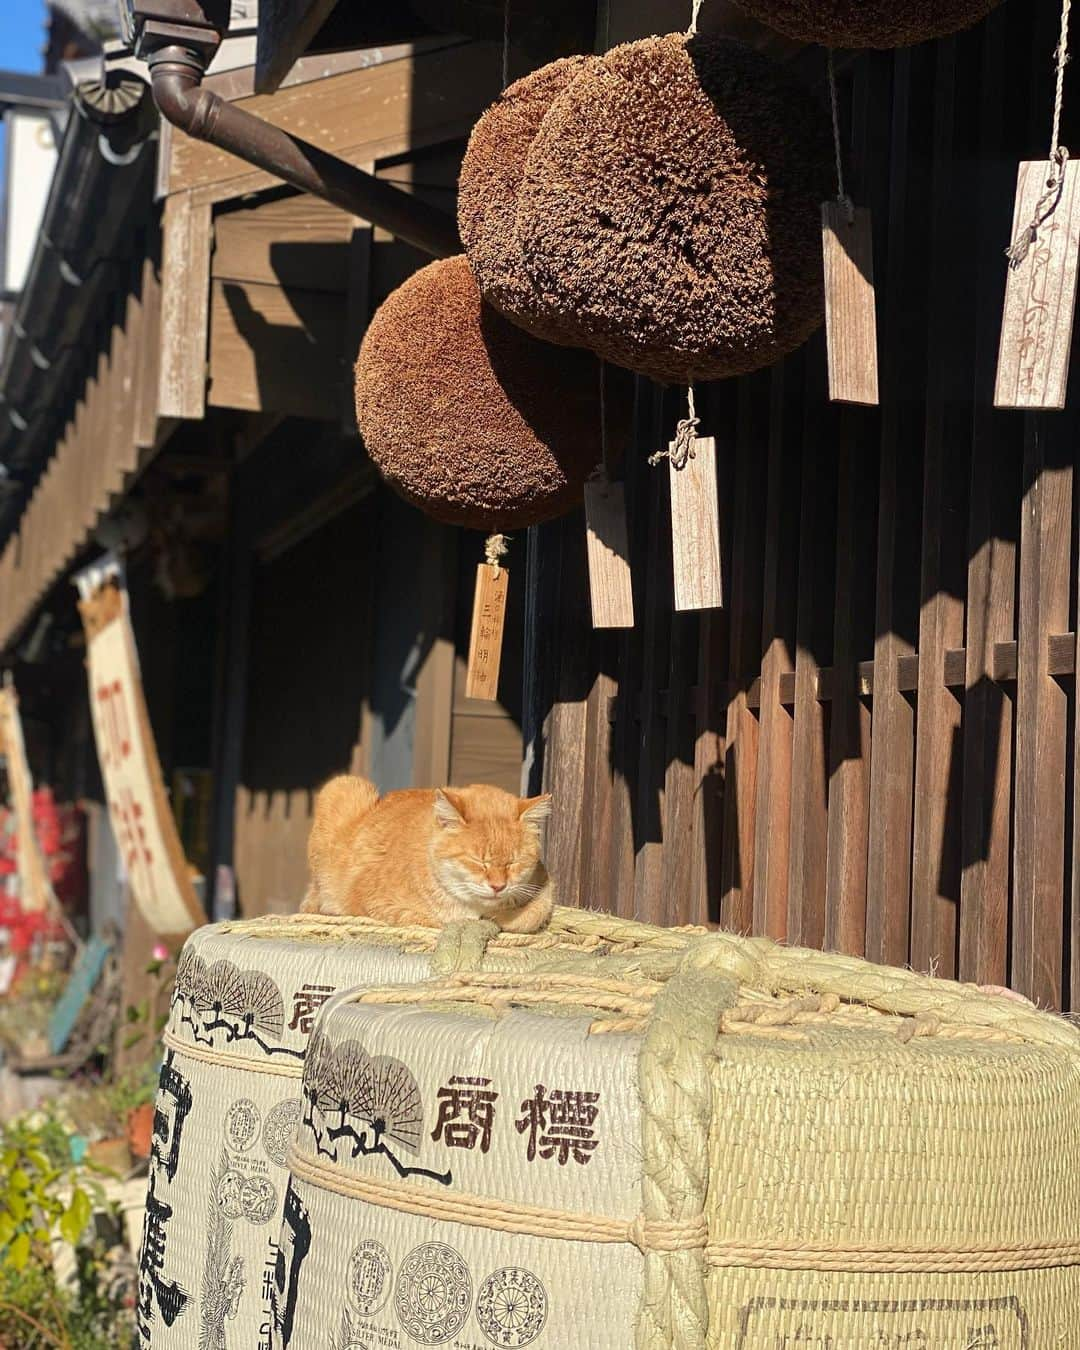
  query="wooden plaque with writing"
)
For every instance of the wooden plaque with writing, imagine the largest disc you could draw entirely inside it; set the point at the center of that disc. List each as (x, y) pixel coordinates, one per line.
(485, 640)
(1040, 295)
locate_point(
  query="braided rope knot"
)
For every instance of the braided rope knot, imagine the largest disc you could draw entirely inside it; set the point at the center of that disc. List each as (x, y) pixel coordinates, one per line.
(671, 1235)
(461, 945)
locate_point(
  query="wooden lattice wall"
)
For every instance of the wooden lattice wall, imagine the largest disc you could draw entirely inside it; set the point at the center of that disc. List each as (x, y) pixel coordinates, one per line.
(873, 748)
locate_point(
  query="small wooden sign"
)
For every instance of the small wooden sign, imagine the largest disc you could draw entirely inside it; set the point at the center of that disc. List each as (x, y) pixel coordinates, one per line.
(486, 638)
(695, 529)
(609, 554)
(850, 307)
(1040, 294)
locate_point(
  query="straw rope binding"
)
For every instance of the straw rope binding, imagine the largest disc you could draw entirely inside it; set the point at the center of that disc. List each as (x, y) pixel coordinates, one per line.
(671, 1236)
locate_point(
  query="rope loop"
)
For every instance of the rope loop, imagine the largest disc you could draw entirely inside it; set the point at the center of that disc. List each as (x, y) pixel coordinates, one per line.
(682, 449)
(1057, 161)
(496, 547)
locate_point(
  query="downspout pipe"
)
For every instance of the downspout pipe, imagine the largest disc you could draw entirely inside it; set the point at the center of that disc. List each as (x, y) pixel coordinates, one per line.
(176, 74)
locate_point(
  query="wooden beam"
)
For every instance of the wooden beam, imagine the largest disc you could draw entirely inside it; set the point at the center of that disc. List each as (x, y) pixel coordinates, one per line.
(362, 115)
(185, 308)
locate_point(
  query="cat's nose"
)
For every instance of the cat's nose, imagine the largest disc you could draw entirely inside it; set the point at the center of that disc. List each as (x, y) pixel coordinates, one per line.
(497, 886)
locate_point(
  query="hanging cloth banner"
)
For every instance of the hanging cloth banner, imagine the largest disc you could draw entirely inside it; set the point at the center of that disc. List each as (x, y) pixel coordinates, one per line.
(35, 893)
(139, 811)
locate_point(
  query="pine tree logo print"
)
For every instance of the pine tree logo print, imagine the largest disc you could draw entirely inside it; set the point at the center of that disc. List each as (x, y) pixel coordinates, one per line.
(372, 1102)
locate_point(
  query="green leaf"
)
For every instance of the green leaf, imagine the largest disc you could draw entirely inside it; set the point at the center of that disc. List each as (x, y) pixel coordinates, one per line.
(20, 1179)
(7, 1229)
(17, 1206)
(75, 1217)
(19, 1252)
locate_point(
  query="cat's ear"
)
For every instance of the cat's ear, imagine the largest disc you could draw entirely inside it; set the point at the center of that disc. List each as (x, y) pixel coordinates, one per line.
(447, 814)
(533, 810)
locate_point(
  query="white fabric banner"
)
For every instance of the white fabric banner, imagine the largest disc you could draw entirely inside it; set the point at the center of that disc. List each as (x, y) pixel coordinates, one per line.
(139, 810)
(33, 879)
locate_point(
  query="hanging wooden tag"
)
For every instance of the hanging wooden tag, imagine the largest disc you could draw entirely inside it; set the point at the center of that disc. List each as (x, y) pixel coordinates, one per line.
(695, 529)
(486, 638)
(609, 554)
(1040, 294)
(850, 306)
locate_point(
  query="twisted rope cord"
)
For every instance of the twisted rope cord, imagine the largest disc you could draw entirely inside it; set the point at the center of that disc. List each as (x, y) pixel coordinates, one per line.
(659, 1237)
(1047, 204)
(276, 1068)
(682, 448)
(694, 12)
(841, 193)
(501, 1216)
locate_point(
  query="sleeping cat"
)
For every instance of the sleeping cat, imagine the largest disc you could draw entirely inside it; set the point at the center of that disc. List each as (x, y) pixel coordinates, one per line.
(426, 856)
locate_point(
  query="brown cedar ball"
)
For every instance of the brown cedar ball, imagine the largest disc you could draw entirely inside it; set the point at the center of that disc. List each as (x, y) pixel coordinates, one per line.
(488, 191)
(470, 418)
(670, 211)
(868, 23)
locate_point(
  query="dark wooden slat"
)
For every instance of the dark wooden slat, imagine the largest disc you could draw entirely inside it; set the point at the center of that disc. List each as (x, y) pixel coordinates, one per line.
(805, 918)
(849, 723)
(991, 583)
(888, 876)
(747, 580)
(650, 902)
(1041, 713)
(935, 853)
(772, 810)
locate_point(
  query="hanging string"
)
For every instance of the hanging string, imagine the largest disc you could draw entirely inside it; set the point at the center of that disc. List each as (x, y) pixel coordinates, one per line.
(695, 11)
(506, 44)
(603, 469)
(682, 449)
(1059, 156)
(496, 546)
(841, 193)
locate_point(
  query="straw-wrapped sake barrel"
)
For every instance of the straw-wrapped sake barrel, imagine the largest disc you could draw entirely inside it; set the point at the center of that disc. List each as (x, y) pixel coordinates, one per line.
(771, 1148)
(247, 995)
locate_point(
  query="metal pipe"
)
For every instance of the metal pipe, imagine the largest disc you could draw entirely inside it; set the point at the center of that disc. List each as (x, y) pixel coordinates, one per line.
(176, 78)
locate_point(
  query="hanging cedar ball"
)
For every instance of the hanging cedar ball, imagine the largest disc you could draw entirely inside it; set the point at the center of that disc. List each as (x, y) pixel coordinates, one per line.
(488, 191)
(868, 23)
(669, 215)
(470, 418)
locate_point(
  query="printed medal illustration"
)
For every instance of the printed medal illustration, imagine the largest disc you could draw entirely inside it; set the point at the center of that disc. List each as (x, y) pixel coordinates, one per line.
(433, 1294)
(511, 1307)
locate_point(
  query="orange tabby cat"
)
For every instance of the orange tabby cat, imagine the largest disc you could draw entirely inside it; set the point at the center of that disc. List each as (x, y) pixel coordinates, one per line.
(426, 856)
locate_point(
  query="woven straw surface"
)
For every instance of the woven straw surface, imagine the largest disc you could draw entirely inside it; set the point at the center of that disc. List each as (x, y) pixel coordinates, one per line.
(246, 999)
(820, 1152)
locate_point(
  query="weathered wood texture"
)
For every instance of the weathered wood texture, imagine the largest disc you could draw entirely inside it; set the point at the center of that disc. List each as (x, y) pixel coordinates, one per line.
(850, 312)
(695, 529)
(1037, 325)
(107, 436)
(610, 588)
(874, 746)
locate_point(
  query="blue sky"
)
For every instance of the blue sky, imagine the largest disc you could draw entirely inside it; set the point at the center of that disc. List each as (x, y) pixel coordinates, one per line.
(22, 34)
